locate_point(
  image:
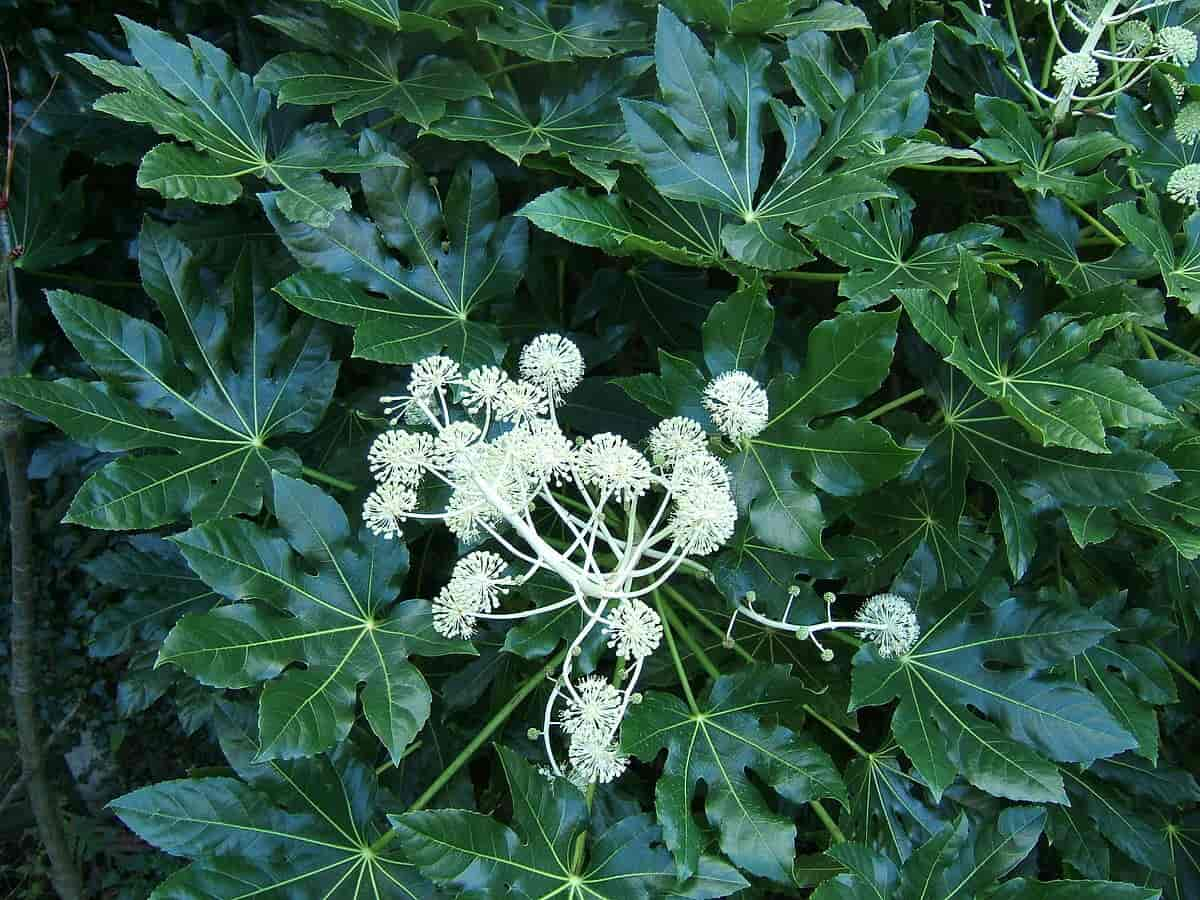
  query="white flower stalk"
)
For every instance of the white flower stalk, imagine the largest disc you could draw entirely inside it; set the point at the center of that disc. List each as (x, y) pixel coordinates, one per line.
(453, 614)
(673, 440)
(479, 578)
(608, 463)
(1135, 37)
(595, 514)
(737, 404)
(387, 507)
(887, 620)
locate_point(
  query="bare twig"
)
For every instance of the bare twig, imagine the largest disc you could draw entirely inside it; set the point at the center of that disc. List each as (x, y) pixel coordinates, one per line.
(23, 779)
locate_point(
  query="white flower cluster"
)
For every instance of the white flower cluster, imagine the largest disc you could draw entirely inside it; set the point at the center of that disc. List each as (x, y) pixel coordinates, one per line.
(485, 454)
(1117, 39)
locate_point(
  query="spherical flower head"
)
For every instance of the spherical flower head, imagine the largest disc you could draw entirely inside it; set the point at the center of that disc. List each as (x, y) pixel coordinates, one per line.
(634, 629)
(737, 404)
(432, 375)
(1176, 87)
(478, 578)
(401, 456)
(703, 519)
(672, 440)
(386, 507)
(553, 363)
(453, 617)
(452, 442)
(1184, 185)
(595, 712)
(482, 387)
(607, 462)
(540, 449)
(521, 401)
(467, 511)
(898, 629)
(1187, 124)
(703, 470)
(1077, 70)
(595, 761)
(1178, 44)
(1135, 35)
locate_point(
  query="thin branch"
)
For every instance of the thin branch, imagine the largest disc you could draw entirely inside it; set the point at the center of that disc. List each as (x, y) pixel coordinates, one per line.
(23, 686)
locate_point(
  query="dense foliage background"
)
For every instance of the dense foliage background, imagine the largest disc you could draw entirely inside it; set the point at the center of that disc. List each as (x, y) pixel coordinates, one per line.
(229, 228)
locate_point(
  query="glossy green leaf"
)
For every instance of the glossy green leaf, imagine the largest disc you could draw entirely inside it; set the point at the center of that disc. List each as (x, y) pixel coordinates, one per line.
(296, 828)
(343, 623)
(703, 142)
(427, 300)
(576, 117)
(212, 395)
(875, 243)
(545, 31)
(727, 737)
(999, 727)
(197, 95)
(537, 855)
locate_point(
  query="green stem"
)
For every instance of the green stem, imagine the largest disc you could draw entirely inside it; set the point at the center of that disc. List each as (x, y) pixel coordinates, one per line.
(849, 741)
(935, 167)
(1093, 221)
(1016, 37)
(514, 67)
(1178, 669)
(1144, 337)
(893, 404)
(408, 751)
(714, 629)
(498, 718)
(688, 638)
(827, 821)
(679, 670)
(810, 276)
(318, 475)
(1172, 346)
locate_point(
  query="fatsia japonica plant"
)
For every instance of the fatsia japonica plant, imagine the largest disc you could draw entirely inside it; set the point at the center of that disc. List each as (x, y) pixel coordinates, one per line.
(624, 450)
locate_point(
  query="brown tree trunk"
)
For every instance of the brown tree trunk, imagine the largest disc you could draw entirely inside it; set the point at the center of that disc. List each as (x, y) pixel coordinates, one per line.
(64, 872)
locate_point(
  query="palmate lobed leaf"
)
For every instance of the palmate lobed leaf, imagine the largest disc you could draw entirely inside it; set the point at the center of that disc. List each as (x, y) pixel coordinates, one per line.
(923, 496)
(343, 623)
(1042, 379)
(729, 736)
(995, 663)
(197, 95)
(539, 854)
(577, 117)
(427, 300)
(544, 31)
(371, 80)
(299, 828)
(215, 392)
